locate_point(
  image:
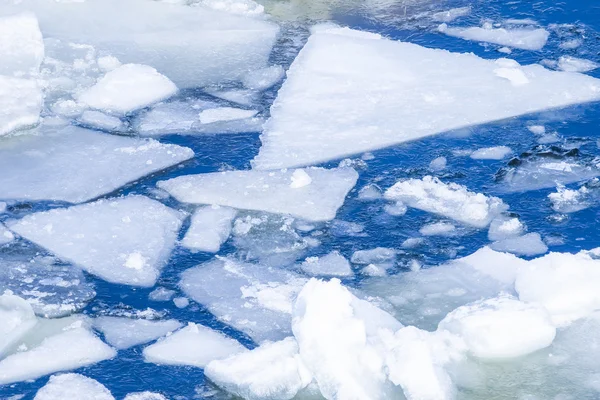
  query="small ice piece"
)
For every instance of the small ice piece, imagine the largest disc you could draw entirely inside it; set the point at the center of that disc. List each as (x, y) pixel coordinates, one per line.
(374, 270)
(6, 236)
(537, 129)
(378, 255)
(123, 333)
(128, 88)
(108, 63)
(242, 97)
(505, 50)
(181, 302)
(145, 396)
(411, 243)
(520, 38)
(396, 209)
(99, 120)
(451, 15)
(161, 294)
(194, 345)
(222, 114)
(438, 229)
(254, 299)
(21, 45)
(210, 228)
(73, 386)
(263, 78)
(241, 7)
(17, 319)
(574, 64)
(504, 228)
(530, 244)
(438, 164)
(268, 191)
(125, 240)
(332, 264)
(491, 153)
(3, 207)
(449, 200)
(568, 201)
(571, 44)
(300, 179)
(501, 327)
(272, 371)
(75, 165)
(370, 192)
(21, 102)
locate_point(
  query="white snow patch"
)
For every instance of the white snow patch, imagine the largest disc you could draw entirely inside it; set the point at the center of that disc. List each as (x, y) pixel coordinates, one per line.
(438, 164)
(241, 7)
(567, 200)
(99, 120)
(503, 228)
(73, 386)
(6, 236)
(21, 102)
(370, 192)
(451, 15)
(17, 319)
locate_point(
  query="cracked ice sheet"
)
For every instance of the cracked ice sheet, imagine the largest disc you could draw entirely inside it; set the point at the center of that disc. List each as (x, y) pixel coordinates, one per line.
(75, 165)
(125, 240)
(349, 92)
(314, 194)
(192, 46)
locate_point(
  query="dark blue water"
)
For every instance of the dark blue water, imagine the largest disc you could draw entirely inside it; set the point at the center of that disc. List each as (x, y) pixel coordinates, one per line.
(129, 373)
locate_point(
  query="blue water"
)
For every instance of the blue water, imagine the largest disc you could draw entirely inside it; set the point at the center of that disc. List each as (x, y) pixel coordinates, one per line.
(128, 372)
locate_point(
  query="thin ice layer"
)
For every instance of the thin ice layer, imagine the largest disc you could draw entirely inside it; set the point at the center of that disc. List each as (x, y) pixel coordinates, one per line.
(73, 386)
(123, 333)
(125, 240)
(76, 165)
(349, 92)
(192, 46)
(314, 194)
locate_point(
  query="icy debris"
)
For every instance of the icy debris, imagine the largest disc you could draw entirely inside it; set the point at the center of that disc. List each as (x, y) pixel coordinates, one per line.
(574, 64)
(530, 244)
(123, 333)
(254, 299)
(181, 302)
(370, 192)
(264, 78)
(411, 243)
(571, 44)
(409, 97)
(47, 167)
(222, 114)
(537, 129)
(438, 229)
(6, 236)
(21, 102)
(491, 153)
(73, 386)
(503, 228)
(568, 200)
(396, 209)
(99, 120)
(332, 264)
(125, 240)
(194, 345)
(378, 255)
(243, 97)
(451, 15)
(145, 396)
(17, 319)
(128, 88)
(209, 229)
(520, 38)
(272, 371)
(21, 45)
(108, 63)
(501, 327)
(449, 200)
(438, 164)
(511, 70)
(346, 228)
(268, 191)
(192, 46)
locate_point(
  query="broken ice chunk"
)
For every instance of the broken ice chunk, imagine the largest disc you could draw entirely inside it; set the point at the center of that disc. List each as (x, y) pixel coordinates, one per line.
(21, 102)
(263, 78)
(73, 386)
(222, 114)
(6, 236)
(123, 333)
(530, 244)
(268, 191)
(300, 179)
(370, 192)
(99, 120)
(241, 7)
(451, 15)
(17, 319)
(438, 229)
(125, 240)
(210, 228)
(21, 45)
(332, 264)
(145, 396)
(438, 164)
(194, 345)
(504, 228)
(450, 200)
(76, 165)
(128, 88)
(520, 38)
(491, 153)
(378, 255)
(568, 201)
(574, 64)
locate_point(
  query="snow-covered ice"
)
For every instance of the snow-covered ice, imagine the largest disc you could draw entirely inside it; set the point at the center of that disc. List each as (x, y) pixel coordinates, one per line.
(242, 7)
(452, 14)
(73, 386)
(574, 64)
(124, 240)
(21, 102)
(568, 200)
(504, 228)
(99, 120)
(530, 244)
(370, 192)
(123, 333)
(410, 97)
(450, 200)
(273, 192)
(520, 38)
(332, 264)
(209, 229)
(438, 229)
(378, 255)
(45, 166)
(263, 78)
(491, 153)
(194, 345)
(21, 44)
(6, 236)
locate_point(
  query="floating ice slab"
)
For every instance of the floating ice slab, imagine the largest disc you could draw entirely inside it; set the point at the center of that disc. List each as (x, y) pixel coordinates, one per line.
(73, 386)
(145, 396)
(491, 153)
(438, 229)
(530, 244)
(21, 45)
(263, 78)
(409, 96)
(210, 228)
(222, 114)
(449, 200)
(75, 165)
(6, 236)
(194, 345)
(123, 333)
(125, 240)
(192, 46)
(520, 38)
(574, 64)
(567, 200)
(17, 319)
(128, 88)
(254, 299)
(504, 228)
(451, 15)
(332, 264)
(21, 102)
(99, 120)
(314, 194)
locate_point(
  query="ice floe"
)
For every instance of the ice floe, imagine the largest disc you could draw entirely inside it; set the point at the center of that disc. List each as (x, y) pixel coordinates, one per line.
(568, 200)
(17, 319)
(124, 240)
(194, 345)
(504, 228)
(574, 64)
(530, 244)
(6, 236)
(73, 386)
(122, 333)
(45, 166)
(21, 102)
(21, 45)
(209, 229)
(263, 78)
(520, 38)
(438, 229)
(332, 264)
(339, 68)
(275, 192)
(491, 153)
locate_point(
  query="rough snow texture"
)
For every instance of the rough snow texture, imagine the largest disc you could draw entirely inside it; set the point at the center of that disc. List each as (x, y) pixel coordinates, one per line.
(520, 38)
(449, 200)
(46, 167)
(194, 345)
(210, 228)
(123, 333)
(275, 192)
(574, 64)
(73, 386)
(21, 102)
(491, 153)
(21, 45)
(410, 97)
(332, 264)
(125, 240)
(530, 244)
